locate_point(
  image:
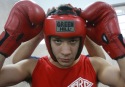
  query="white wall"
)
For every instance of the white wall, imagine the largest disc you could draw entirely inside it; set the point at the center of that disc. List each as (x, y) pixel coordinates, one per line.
(77, 3)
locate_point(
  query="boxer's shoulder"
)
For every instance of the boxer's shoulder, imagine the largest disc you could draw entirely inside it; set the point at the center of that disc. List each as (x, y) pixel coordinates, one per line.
(97, 62)
(28, 64)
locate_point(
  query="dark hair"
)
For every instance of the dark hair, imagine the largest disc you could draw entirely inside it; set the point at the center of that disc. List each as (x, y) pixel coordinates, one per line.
(65, 9)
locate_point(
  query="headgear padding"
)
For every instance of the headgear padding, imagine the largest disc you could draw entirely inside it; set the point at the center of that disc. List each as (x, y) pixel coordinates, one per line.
(64, 26)
(64, 22)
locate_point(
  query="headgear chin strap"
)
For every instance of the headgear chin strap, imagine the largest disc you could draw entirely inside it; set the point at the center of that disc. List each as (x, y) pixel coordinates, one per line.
(64, 26)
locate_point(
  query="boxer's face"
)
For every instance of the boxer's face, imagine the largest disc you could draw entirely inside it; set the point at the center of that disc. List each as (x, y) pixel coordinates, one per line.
(65, 50)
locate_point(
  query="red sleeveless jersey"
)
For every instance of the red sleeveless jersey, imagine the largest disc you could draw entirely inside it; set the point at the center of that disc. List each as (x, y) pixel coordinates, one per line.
(46, 74)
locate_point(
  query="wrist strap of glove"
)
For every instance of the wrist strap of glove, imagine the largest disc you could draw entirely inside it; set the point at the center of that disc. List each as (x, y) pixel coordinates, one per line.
(116, 47)
(8, 44)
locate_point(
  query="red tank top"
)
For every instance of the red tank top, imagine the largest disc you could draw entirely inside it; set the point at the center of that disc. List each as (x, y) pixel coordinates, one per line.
(81, 74)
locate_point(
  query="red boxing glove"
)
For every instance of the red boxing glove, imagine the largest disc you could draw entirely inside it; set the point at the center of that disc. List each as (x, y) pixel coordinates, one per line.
(103, 28)
(25, 21)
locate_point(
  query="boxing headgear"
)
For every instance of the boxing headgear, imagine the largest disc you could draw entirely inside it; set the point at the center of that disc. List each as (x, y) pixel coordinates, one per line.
(64, 23)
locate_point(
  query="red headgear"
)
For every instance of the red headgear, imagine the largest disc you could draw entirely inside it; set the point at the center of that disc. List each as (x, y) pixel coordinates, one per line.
(64, 26)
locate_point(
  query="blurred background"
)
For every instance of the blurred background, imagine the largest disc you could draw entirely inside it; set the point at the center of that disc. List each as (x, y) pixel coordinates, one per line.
(6, 5)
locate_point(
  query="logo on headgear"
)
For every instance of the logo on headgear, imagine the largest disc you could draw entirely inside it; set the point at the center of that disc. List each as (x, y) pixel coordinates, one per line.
(65, 26)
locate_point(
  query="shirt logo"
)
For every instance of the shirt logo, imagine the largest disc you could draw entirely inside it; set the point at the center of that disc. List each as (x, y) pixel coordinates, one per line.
(65, 26)
(80, 82)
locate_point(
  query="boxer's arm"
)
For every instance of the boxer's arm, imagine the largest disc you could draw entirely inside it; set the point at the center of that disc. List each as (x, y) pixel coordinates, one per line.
(26, 49)
(94, 49)
(21, 26)
(106, 73)
(12, 74)
(2, 59)
(106, 32)
(121, 63)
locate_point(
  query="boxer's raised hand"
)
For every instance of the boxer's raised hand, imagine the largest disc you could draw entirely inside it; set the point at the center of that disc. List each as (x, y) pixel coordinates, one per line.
(25, 21)
(103, 28)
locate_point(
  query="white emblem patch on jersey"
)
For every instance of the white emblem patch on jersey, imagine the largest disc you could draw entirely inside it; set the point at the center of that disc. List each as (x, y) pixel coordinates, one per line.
(80, 82)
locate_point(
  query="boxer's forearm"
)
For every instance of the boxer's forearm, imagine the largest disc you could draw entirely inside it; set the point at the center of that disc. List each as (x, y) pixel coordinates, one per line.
(93, 49)
(27, 48)
(121, 63)
(2, 59)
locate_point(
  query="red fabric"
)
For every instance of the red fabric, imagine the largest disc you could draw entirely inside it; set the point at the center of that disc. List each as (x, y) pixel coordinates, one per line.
(81, 74)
